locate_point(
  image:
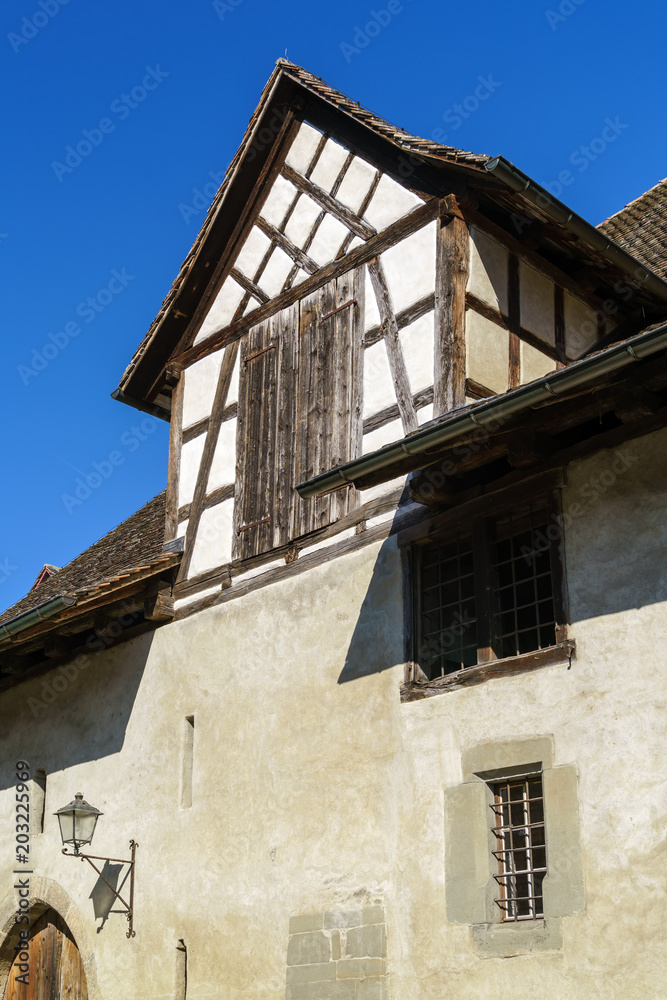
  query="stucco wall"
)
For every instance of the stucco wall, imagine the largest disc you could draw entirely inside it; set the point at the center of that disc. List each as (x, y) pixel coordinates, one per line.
(315, 790)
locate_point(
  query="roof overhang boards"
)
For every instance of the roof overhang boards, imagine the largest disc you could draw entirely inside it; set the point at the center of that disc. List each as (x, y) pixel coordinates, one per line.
(599, 402)
(67, 627)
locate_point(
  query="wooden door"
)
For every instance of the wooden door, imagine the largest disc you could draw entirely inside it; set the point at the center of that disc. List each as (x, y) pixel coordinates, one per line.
(55, 966)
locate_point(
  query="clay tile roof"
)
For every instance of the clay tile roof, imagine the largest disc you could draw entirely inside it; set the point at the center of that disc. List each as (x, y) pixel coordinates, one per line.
(641, 228)
(406, 140)
(131, 548)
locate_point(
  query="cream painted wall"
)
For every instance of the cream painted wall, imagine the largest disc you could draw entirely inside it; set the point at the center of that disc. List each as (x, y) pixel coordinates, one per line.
(311, 793)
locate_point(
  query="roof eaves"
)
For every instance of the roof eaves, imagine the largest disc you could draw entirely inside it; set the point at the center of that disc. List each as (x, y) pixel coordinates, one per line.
(452, 426)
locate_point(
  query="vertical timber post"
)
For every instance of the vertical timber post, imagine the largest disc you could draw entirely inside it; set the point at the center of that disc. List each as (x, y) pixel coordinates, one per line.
(452, 259)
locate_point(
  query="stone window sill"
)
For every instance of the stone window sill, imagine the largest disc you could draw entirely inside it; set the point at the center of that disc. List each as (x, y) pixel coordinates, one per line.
(559, 653)
(508, 940)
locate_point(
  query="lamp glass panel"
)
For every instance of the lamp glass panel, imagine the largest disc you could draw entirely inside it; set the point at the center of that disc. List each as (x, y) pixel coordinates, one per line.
(85, 826)
(66, 821)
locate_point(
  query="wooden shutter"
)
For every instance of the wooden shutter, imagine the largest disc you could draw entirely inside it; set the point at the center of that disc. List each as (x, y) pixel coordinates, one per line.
(256, 439)
(299, 414)
(328, 427)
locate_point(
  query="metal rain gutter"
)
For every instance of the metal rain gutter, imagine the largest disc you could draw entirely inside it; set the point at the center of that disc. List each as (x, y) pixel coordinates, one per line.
(564, 216)
(48, 609)
(482, 414)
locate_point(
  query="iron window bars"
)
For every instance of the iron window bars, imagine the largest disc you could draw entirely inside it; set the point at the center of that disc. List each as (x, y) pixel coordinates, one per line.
(518, 807)
(492, 592)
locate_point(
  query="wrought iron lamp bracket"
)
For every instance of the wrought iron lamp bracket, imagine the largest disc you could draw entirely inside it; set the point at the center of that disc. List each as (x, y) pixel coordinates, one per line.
(90, 858)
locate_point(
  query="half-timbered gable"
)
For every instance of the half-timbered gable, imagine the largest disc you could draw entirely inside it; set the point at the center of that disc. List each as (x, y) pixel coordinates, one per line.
(373, 685)
(350, 284)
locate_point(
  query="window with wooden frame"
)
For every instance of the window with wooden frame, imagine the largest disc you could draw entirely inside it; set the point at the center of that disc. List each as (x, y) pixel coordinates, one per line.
(520, 853)
(489, 588)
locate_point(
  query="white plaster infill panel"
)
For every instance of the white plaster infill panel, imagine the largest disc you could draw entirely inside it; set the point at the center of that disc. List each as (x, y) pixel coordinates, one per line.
(410, 267)
(199, 390)
(581, 327)
(390, 203)
(328, 239)
(191, 454)
(213, 545)
(302, 220)
(534, 364)
(252, 252)
(371, 311)
(417, 341)
(356, 184)
(275, 272)
(328, 166)
(183, 601)
(222, 311)
(382, 489)
(279, 200)
(379, 391)
(223, 466)
(387, 434)
(425, 414)
(487, 277)
(487, 352)
(233, 392)
(537, 303)
(303, 148)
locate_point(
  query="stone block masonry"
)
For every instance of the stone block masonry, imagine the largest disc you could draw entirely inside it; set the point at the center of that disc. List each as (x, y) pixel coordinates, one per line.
(338, 955)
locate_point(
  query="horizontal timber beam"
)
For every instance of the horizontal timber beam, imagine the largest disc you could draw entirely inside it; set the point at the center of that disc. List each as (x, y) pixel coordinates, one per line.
(360, 255)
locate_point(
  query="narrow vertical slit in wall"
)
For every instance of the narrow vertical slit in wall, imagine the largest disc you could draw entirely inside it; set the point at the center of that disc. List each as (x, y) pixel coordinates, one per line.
(181, 991)
(187, 761)
(38, 801)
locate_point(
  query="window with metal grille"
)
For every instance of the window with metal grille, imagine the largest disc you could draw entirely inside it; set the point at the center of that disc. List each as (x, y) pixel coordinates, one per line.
(490, 592)
(518, 828)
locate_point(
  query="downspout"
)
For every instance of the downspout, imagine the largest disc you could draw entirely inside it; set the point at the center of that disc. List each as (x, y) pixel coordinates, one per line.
(561, 214)
(441, 432)
(48, 609)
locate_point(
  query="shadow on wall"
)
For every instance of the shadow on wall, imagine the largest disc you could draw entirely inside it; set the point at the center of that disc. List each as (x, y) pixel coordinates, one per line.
(377, 641)
(67, 716)
(612, 532)
(102, 896)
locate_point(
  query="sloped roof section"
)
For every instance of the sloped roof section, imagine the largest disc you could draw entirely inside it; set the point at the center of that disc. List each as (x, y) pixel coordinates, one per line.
(410, 143)
(641, 228)
(130, 548)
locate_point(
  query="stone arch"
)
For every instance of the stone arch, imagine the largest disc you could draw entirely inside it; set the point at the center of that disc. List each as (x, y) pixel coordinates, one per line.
(46, 894)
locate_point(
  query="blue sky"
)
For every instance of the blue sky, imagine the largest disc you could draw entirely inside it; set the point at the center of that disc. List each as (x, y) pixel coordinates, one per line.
(88, 250)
